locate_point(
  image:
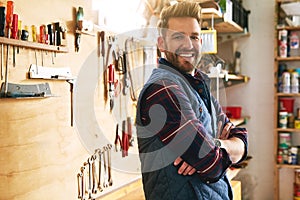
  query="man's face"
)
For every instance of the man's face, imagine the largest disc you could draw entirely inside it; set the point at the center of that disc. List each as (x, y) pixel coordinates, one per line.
(182, 43)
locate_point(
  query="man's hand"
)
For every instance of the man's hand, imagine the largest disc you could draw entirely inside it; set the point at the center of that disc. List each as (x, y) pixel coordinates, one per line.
(184, 169)
(225, 131)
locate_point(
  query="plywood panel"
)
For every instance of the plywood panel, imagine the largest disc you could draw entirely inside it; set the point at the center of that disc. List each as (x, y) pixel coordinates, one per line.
(40, 153)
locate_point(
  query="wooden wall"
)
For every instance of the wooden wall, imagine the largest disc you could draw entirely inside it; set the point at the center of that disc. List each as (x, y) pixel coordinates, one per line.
(40, 153)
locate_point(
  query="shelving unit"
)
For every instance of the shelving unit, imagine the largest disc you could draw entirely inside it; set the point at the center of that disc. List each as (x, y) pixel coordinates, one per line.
(33, 45)
(232, 79)
(221, 24)
(278, 194)
(23, 92)
(226, 29)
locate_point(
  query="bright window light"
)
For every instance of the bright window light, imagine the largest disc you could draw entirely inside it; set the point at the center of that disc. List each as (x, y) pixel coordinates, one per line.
(120, 15)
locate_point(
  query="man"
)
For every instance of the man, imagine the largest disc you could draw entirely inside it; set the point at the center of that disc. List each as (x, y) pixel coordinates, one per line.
(186, 142)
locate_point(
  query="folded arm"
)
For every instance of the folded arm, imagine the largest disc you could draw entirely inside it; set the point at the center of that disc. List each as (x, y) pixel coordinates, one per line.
(208, 160)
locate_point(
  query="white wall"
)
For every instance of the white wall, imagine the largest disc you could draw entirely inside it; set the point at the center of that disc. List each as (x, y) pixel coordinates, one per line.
(256, 98)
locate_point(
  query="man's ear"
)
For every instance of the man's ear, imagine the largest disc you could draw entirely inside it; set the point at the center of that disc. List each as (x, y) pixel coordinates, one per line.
(160, 44)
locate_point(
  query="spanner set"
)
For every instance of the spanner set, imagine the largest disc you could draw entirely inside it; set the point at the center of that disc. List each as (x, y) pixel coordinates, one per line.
(91, 179)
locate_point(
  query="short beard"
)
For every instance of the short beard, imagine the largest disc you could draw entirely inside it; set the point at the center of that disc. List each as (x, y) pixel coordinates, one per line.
(173, 58)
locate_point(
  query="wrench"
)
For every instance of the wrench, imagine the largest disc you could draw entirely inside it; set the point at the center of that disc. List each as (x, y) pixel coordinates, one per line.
(94, 188)
(79, 182)
(82, 170)
(105, 183)
(99, 174)
(90, 161)
(110, 182)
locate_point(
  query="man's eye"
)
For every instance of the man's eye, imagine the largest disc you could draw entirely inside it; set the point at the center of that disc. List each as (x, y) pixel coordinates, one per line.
(196, 38)
(178, 37)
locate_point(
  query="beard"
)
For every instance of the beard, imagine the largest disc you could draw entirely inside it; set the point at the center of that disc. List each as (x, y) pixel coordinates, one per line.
(181, 63)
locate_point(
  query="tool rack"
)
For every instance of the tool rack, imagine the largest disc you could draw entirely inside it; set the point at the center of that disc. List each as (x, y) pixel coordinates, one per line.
(33, 45)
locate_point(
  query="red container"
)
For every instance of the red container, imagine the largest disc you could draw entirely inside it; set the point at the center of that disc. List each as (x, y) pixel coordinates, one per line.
(286, 104)
(233, 111)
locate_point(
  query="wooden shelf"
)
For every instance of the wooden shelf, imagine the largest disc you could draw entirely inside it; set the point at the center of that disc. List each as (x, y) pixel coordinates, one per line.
(289, 28)
(287, 166)
(287, 130)
(288, 94)
(221, 24)
(232, 79)
(295, 58)
(209, 13)
(33, 45)
(286, 1)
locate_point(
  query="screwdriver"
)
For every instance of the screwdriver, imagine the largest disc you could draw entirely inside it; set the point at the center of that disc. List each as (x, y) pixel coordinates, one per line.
(14, 35)
(19, 32)
(9, 18)
(2, 27)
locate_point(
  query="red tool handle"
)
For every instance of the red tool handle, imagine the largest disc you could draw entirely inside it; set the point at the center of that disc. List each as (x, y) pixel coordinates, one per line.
(9, 17)
(9, 12)
(42, 34)
(129, 128)
(111, 73)
(14, 31)
(125, 141)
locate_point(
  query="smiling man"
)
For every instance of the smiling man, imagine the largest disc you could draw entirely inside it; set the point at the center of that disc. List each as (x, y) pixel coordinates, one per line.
(186, 142)
(181, 47)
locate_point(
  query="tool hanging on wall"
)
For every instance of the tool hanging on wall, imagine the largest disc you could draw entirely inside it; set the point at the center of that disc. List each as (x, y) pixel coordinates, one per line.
(90, 179)
(2, 34)
(51, 39)
(25, 91)
(9, 18)
(119, 57)
(99, 152)
(72, 83)
(111, 82)
(79, 20)
(111, 72)
(14, 35)
(129, 128)
(118, 142)
(102, 45)
(125, 141)
(131, 62)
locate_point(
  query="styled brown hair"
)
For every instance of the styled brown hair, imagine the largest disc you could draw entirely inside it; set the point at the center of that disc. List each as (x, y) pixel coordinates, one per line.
(180, 9)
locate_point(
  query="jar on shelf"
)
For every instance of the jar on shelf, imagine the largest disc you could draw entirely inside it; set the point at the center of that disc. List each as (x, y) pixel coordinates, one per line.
(284, 140)
(283, 119)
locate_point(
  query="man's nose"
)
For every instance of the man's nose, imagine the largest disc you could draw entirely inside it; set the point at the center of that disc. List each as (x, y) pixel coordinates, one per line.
(188, 43)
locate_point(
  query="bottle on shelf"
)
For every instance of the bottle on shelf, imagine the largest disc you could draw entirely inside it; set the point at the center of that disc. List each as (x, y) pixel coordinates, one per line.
(282, 39)
(282, 67)
(294, 82)
(286, 82)
(237, 63)
(283, 119)
(297, 120)
(283, 148)
(294, 44)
